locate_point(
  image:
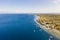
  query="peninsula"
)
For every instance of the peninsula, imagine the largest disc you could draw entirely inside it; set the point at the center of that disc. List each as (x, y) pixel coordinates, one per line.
(50, 23)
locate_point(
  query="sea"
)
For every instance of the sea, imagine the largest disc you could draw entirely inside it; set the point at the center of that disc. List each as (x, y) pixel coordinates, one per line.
(21, 27)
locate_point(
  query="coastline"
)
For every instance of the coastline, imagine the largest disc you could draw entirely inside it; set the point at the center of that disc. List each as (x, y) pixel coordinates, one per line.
(53, 32)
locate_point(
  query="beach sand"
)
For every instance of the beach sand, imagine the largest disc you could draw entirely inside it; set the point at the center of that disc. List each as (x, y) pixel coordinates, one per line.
(53, 32)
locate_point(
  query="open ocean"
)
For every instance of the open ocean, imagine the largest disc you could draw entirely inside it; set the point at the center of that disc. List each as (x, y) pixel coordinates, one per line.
(21, 27)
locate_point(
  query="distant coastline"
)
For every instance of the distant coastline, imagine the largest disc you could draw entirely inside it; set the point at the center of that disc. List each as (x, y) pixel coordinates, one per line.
(53, 32)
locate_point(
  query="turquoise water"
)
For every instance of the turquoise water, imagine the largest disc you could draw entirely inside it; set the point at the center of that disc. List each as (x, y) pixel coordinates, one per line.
(21, 27)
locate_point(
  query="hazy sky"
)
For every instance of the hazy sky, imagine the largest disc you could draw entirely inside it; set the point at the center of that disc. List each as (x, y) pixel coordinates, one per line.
(29, 6)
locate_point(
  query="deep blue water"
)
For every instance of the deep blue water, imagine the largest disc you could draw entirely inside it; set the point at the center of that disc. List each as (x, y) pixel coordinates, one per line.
(21, 27)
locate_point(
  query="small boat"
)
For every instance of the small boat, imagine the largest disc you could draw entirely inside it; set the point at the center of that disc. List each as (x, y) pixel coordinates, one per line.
(40, 30)
(51, 36)
(34, 30)
(49, 39)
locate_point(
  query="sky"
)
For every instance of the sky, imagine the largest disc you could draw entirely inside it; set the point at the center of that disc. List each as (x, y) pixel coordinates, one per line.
(29, 6)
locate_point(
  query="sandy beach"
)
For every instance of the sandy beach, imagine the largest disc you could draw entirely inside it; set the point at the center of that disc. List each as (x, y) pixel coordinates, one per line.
(53, 32)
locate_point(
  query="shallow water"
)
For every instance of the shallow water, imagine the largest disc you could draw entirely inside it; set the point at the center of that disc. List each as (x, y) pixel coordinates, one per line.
(21, 27)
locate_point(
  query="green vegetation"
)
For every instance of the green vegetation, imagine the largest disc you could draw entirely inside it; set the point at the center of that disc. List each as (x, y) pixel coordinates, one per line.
(50, 19)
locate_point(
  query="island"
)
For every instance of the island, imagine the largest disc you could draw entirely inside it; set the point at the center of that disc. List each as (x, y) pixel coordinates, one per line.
(50, 23)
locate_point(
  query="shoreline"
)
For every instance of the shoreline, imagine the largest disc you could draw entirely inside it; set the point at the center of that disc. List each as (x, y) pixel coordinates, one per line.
(53, 32)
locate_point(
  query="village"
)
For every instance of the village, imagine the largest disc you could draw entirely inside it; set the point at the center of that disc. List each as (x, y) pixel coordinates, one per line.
(49, 21)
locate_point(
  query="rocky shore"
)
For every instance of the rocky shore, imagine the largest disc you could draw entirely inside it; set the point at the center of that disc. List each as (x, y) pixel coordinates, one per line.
(53, 32)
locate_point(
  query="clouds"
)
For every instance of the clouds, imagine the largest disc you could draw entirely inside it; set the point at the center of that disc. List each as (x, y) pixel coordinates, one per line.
(55, 1)
(38, 6)
(52, 9)
(35, 10)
